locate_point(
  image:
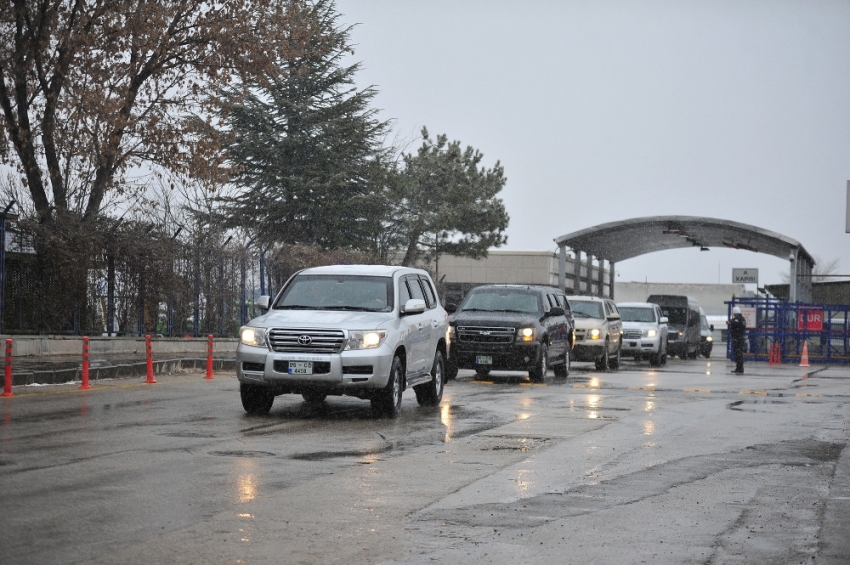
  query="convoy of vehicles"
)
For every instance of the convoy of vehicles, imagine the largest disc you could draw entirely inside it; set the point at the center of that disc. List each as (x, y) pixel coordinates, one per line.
(683, 321)
(511, 327)
(598, 331)
(372, 331)
(361, 330)
(644, 332)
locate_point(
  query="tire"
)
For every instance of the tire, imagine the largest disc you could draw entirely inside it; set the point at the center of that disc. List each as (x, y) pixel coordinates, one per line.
(562, 371)
(314, 396)
(615, 362)
(655, 358)
(538, 374)
(388, 401)
(256, 399)
(603, 363)
(431, 393)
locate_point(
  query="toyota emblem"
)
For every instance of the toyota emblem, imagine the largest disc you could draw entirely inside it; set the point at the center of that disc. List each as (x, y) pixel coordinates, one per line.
(485, 333)
(305, 340)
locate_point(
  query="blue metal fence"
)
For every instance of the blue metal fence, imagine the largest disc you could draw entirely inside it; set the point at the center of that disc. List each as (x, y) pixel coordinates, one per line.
(824, 327)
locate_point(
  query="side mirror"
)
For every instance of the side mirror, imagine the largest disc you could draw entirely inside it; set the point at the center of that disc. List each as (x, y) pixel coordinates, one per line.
(556, 311)
(613, 317)
(663, 320)
(413, 306)
(711, 327)
(263, 302)
(451, 308)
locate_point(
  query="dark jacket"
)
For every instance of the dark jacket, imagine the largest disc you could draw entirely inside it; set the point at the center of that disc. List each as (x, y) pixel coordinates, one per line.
(737, 327)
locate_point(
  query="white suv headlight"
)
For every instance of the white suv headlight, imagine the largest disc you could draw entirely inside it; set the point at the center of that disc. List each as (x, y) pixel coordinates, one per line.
(651, 333)
(595, 333)
(255, 337)
(365, 339)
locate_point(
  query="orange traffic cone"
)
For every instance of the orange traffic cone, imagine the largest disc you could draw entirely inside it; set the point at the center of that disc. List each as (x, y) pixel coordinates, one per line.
(804, 358)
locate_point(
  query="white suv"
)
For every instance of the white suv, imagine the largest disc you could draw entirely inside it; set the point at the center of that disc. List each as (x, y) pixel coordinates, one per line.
(598, 331)
(369, 331)
(644, 332)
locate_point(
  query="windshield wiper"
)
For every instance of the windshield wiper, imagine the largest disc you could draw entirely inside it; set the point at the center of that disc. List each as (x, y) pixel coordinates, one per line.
(298, 307)
(352, 308)
(582, 314)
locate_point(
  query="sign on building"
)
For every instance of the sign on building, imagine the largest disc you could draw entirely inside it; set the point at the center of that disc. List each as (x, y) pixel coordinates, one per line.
(745, 276)
(810, 319)
(749, 314)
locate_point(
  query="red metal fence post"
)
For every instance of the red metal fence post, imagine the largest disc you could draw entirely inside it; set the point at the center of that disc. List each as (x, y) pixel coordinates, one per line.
(149, 359)
(7, 382)
(85, 385)
(209, 357)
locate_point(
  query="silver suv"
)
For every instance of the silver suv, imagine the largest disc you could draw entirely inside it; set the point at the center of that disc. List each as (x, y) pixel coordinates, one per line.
(368, 331)
(644, 332)
(598, 331)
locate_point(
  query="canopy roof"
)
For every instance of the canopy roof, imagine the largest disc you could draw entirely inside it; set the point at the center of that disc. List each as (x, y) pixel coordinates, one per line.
(618, 241)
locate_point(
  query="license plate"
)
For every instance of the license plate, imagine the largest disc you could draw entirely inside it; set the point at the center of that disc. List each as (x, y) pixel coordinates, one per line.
(300, 367)
(633, 343)
(483, 360)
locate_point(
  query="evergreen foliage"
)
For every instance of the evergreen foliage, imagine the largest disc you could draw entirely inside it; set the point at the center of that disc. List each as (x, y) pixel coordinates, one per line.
(306, 144)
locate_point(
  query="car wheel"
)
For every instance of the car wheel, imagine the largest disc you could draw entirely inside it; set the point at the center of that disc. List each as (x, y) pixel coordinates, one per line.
(602, 364)
(708, 353)
(256, 399)
(562, 371)
(538, 374)
(615, 362)
(313, 396)
(431, 393)
(388, 401)
(655, 359)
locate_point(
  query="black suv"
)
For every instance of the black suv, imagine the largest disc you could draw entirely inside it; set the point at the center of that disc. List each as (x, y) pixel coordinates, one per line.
(511, 328)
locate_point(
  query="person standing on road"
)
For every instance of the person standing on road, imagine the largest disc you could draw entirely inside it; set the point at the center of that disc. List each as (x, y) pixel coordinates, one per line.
(737, 330)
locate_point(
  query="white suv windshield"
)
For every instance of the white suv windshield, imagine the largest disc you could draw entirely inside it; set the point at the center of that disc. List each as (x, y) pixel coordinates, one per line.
(636, 314)
(502, 300)
(587, 309)
(337, 292)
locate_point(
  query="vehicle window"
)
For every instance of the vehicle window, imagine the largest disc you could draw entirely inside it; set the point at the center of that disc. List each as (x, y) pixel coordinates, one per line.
(429, 292)
(637, 314)
(415, 289)
(552, 300)
(562, 300)
(337, 292)
(607, 309)
(587, 309)
(704, 322)
(675, 316)
(658, 314)
(502, 300)
(403, 293)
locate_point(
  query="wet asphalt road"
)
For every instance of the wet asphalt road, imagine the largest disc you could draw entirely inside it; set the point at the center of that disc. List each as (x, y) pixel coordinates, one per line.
(686, 464)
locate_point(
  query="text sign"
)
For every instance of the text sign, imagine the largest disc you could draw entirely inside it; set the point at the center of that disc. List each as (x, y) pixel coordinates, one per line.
(749, 314)
(810, 319)
(745, 276)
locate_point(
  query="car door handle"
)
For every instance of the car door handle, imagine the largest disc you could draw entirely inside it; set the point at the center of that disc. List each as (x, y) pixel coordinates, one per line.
(435, 323)
(420, 325)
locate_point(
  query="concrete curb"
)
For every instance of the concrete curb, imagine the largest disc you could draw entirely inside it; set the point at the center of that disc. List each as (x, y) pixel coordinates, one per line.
(118, 371)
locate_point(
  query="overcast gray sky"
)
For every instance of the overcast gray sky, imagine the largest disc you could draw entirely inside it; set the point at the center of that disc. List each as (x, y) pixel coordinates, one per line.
(608, 110)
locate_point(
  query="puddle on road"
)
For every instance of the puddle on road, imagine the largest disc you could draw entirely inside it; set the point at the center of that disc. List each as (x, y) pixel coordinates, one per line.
(325, 455)
(741, 405)
(243, 453)
(189, 435)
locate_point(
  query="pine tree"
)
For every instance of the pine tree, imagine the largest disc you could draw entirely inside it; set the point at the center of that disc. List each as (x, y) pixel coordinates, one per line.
(305, 144)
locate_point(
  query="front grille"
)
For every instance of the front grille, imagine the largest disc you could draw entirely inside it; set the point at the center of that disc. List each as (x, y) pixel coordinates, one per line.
(357, 370)
(631, 334)
(319, 367)
(580, 335)
(482, 334)
(306, 340)
(257, 367)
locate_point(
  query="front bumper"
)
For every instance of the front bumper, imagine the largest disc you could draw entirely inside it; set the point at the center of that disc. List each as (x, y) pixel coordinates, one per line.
(349, 372)
(588, 350)
(642, 347)
(503, 357)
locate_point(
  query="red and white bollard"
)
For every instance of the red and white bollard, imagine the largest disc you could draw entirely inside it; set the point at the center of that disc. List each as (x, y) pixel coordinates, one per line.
(7, 381)
(149, 359)
(85, 385)
(209, 357)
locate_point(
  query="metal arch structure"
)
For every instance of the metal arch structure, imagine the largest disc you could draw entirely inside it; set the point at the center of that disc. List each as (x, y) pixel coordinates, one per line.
(618, 241)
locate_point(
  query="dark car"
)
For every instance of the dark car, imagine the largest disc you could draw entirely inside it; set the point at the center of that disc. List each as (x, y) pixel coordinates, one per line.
(511, 328)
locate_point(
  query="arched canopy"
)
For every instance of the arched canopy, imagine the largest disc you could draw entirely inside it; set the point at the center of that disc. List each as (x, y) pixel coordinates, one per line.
(618, 241)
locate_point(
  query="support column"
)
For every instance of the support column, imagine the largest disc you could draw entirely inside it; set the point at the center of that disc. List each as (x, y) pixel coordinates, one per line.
(792, 281)
(611, 272)
(576, 271)
(562, 268)
(588, 280)
(600, 278)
